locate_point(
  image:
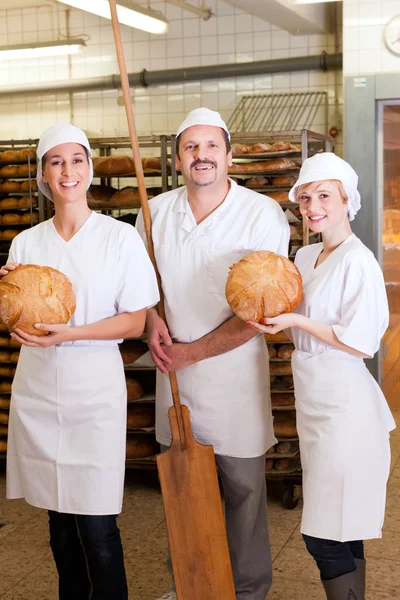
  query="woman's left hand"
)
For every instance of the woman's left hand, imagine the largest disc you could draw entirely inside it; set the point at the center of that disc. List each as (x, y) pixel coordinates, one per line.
(57, 335)
(275, 324)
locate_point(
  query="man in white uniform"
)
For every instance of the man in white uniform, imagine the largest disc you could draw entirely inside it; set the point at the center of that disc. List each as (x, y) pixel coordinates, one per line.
(199, 230)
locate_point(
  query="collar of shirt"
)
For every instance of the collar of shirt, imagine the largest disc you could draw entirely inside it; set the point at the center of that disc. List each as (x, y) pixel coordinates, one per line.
(188, 222)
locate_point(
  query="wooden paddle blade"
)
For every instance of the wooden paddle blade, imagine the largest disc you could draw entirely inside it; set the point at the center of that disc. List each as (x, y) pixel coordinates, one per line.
(195, 519)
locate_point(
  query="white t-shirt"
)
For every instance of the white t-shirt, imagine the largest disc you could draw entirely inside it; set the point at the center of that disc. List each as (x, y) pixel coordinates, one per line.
(106, 262)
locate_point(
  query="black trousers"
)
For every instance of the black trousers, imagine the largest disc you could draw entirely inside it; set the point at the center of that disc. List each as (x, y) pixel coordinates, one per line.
(89, 557)
(334, 559)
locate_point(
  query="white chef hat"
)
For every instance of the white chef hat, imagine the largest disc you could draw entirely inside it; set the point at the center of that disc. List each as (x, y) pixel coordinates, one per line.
(60, 134)
(327, 165)
(203, 116)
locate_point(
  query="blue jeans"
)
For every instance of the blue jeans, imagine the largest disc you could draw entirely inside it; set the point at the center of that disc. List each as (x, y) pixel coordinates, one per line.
(89, 557)
(334, 559)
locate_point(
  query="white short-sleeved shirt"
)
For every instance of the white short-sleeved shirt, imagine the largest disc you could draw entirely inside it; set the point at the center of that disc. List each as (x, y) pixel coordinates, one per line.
(106, 262)
(228, 395)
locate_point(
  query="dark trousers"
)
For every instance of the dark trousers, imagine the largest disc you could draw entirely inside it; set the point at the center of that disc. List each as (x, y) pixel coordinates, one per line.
(334, 559)
(89, 557)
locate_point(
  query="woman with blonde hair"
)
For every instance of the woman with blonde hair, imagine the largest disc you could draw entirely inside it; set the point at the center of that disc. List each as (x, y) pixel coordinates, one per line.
(343, 419)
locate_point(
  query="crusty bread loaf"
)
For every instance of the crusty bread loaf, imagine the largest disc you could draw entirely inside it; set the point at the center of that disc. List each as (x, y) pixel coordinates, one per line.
(256, 182)
(285, 424)
(260, 148)
(7, 371)
(17, 156)
(17, 203)
(10, 186)
(11, 219)
(33, 294)
(272, 351)
(29, 185)
(25, 170)
(277, 338)
(8, 234)
(3, 446)
(9, 156)
(281, 146)
(276, 164)
(134, 389)
(128, 197)
(239, 149)
(3, 430)
(285, 352)
(282, 464)
(141, 446)
(9, 171)
(99, 196)
(279, 196)
(283, 447)
(141, 415)
(286, 181)
(3, 417)
(27, 152)
(132, 350)
(29, 218)
(263, 284)
(114, 166)
(277, 368)
(4, 356)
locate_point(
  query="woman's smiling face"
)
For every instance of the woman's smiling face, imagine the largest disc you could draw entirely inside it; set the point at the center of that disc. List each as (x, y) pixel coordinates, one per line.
(66, 170)
(323, 204)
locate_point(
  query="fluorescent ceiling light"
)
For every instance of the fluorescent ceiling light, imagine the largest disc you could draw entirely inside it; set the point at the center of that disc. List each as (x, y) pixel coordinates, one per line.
(41, 49)
(128, 14)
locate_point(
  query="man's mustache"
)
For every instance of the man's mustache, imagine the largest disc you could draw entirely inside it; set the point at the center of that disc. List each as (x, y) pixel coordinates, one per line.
(202, 162)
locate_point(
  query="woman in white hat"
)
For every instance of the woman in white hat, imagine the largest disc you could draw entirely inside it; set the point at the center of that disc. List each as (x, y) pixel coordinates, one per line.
(343, 419)
(67, 426)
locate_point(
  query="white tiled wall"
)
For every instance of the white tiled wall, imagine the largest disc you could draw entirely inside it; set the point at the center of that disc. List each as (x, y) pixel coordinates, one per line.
(229, 36)
(363, 46)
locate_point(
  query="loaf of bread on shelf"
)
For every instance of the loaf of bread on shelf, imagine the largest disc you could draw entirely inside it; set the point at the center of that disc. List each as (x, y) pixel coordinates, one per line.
(28, 218)
(34, 294)
(260, 148)
(285, 352)
(276, 164)
(9, 156)
(263, 284)
(26, 153)
(17, 156)
(14, 357)
(25, 170)
(281, 146)
(7, 371)
(3, 446)
(239, 149)
(272, 351)
(283, 447)
(101, 194)
(141, 446)
(114, 166)
(284, 181)
(10, 219)
(17, 202)
(285, 424)
(141, 415)
(5, 387)
(270, 451)
(277, 338)
(279, 196)
(281, 464)
(3, 417)
(7, 235)
(4, 356)
(256, 182)
(277, 368)
(128, 197)
(3, 430)
(28, 185)
(132, 350)
(134, 389)
(9, 171)
(10, 187)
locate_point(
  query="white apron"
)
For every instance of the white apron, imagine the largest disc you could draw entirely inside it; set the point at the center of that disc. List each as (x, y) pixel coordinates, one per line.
(343, 419)
(67, 429)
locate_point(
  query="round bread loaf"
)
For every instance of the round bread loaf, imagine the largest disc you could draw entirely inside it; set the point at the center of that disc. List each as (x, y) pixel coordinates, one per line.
(11, 186)
(27, 152)
(9, 156)
(140, 446)
(113, 165)
(284, 181)
(131, 351)
(283, 447)
(3, 446)
(128, 197)
(25, 170)
(279, 196)
(32, 294)
(11, 219)
(9, 171)
(263, 284)
(8, 234)
(4, 403)
(28, 218)
(281, 464)
(3, 430)
(14, 357)
(5, 356)
(285, 352)
(141, 415)
(272, 351)
(5, 387)
(134, 389)
(29, 185)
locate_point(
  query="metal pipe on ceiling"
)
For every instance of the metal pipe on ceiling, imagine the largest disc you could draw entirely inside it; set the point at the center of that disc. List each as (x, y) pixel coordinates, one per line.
(319, 62)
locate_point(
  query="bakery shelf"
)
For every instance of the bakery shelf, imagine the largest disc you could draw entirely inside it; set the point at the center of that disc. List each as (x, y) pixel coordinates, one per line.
(267, 155)
(263, 173)
(145, 399)
(283, 408)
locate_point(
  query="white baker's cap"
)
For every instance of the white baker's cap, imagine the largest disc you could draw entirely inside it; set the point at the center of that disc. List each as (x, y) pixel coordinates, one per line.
(327, 165)
(203, 116)
(60, 134)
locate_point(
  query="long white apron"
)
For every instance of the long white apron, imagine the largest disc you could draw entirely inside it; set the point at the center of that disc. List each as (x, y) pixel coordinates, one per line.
(344, 447)
(67, 429)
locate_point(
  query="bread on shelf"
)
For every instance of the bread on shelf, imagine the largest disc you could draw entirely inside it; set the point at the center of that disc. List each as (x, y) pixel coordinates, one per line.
(140, 446)
(141, 415)
(116, 166)
(276, 164)
(283, 180)
(256, 182)
(285, 352)
(134, 389)
(7, 235)
(280, 197)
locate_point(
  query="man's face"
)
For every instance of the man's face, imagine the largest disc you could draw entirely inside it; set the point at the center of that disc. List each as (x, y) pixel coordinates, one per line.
(202, 158)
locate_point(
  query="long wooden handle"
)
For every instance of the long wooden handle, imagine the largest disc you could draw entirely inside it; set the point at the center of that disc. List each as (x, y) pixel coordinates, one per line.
(143, 195)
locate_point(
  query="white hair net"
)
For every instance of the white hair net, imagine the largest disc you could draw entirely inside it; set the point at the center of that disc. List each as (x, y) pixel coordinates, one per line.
(203, 116)
(327, 165)
(54, 136)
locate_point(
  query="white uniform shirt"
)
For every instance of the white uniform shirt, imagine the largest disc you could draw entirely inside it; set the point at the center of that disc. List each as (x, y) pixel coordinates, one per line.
(228, 395)
(105, 261)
